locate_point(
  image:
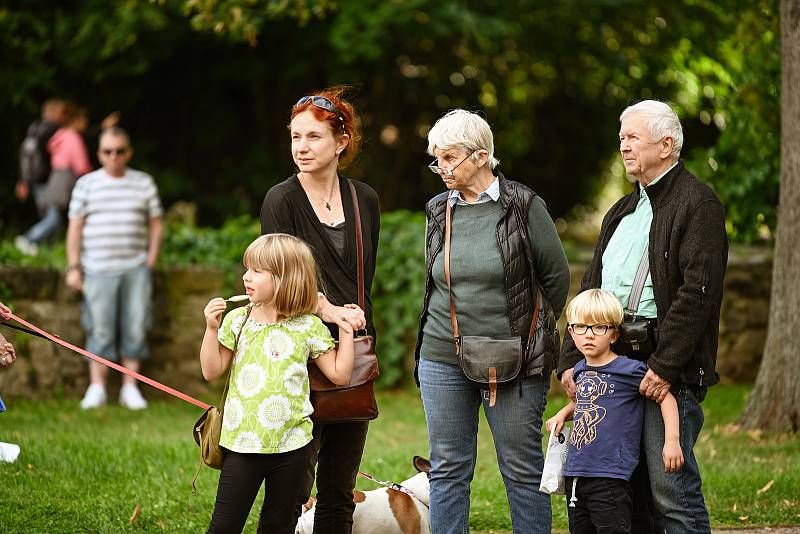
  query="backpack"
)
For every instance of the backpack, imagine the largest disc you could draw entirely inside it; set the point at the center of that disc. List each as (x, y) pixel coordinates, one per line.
(34, 158)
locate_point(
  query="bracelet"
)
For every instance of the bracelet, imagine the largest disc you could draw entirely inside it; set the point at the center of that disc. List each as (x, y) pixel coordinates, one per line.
(73, 267)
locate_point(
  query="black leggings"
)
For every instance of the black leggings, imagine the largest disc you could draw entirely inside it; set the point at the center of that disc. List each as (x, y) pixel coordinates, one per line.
(240, 480)
(336, 454)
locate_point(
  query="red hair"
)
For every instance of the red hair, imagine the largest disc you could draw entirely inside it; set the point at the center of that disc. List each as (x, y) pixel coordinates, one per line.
(351, 125)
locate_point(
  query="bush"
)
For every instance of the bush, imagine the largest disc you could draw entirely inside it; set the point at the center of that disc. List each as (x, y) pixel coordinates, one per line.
(397, 292)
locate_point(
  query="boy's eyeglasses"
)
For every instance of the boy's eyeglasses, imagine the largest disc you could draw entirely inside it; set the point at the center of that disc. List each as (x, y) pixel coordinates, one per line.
(447, 171)
(116, 151)
(323, 103)
(597, 329)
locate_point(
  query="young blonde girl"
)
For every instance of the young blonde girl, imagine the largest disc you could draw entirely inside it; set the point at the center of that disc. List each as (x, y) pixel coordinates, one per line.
(266, 428)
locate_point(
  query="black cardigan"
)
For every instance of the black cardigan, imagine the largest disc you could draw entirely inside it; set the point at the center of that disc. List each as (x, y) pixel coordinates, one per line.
(286, 209)
(688, 251)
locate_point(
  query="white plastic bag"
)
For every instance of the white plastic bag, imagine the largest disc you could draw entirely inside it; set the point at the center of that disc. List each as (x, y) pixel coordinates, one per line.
(556, 457)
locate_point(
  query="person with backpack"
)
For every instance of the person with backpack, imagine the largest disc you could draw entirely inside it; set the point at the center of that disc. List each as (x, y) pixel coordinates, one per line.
(34, 157)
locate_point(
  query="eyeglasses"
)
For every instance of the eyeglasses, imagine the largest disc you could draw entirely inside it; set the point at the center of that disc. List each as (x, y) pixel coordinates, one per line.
(116, 151)
(597, 329)
(447, 171)
(323, 103)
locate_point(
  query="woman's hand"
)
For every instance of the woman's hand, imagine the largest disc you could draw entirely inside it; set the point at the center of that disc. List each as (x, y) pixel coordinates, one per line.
(213, 312)
(347, 316)
(673, 456)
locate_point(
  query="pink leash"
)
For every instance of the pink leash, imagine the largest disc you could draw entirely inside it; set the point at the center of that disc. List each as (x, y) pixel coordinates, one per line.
(121, 369)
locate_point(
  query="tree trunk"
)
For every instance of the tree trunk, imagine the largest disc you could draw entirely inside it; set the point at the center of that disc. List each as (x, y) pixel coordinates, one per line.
(774, 403)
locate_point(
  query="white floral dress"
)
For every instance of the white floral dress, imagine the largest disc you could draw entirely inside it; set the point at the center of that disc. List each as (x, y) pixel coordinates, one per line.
(267, 410)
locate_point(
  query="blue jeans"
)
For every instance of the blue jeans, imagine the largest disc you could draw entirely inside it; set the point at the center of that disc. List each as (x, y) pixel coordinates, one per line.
(677, 497)
(117, 313)
(49, 224)
(451, 411)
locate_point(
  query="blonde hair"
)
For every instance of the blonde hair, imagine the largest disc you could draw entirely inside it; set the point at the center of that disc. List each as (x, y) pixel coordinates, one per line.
(291, 263)
(595, 306)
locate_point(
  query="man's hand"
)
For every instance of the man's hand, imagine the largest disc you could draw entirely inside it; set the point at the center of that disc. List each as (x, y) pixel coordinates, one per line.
(74, 279)
(5, 313)
(22, 190)
(568, 383)
(654, 387)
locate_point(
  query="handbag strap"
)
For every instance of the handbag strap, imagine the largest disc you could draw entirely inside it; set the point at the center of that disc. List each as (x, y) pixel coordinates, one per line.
(359, 245)
(448, 223)
(233, 357)
(638, 284)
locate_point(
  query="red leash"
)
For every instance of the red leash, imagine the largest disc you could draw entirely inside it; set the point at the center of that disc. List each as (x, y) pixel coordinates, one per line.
(55, 339)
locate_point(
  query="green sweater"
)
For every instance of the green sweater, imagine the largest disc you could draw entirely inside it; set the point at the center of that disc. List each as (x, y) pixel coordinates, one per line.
(476, 270)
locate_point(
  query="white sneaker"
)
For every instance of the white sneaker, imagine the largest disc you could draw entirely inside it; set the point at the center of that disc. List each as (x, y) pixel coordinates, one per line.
(131, 398)
(26, 247)
(8, 452)
(95, 397)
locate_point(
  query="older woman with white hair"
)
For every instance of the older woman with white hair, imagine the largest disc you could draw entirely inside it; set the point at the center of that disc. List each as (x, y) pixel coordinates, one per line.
(497, 279)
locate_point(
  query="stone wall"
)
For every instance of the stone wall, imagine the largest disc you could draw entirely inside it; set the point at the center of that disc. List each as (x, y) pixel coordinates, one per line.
(744, 315)
(43, 369)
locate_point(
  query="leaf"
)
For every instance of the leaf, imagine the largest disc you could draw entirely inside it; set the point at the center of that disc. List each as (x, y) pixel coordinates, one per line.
(136, 511)
(765, 488)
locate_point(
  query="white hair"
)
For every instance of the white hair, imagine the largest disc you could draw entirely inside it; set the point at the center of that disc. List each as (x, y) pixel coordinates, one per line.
(661, 121)
(462, 129)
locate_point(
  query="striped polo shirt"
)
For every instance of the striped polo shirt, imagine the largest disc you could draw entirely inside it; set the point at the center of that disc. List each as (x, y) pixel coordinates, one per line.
(117, 211)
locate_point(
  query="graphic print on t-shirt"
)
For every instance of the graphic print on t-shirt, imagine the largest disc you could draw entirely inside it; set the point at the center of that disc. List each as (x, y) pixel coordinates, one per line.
(587, 414)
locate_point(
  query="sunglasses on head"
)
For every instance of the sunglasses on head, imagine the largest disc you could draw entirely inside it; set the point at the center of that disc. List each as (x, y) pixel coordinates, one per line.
(323, 103)
(116, 151)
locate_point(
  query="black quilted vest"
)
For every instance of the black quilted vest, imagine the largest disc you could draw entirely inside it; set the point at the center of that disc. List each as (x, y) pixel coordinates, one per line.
(512, 236)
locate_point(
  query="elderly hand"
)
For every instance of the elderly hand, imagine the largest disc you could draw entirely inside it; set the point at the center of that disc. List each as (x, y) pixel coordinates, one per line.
(568, 383)
(654, 387)
(5, 313)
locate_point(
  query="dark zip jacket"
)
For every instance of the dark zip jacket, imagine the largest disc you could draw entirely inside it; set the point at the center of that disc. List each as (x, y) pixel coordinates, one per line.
(515, 247)
(688, 252)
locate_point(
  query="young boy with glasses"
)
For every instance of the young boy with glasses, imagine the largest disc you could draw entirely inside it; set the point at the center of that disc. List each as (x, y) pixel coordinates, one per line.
(607, 413)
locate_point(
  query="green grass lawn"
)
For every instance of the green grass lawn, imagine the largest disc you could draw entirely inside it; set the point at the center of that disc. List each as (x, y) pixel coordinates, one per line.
(88, 471)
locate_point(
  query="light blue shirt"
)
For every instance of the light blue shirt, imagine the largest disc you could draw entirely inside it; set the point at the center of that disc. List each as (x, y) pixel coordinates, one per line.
(492, 193)
(624, 252)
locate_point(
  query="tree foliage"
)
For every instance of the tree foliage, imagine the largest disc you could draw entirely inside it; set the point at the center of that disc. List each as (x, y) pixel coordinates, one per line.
(205, 86)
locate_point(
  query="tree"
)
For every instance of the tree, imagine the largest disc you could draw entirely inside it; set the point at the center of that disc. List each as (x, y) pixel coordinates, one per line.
(774, 403)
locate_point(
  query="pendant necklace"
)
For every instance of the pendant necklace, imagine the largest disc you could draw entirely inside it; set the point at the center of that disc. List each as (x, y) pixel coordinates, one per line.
(330, 197)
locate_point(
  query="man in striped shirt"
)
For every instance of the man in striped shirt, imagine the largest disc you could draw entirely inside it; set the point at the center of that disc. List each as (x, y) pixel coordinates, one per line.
(113, 241)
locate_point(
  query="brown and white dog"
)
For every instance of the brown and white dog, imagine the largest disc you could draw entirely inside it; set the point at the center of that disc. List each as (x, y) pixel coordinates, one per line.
(385, 510)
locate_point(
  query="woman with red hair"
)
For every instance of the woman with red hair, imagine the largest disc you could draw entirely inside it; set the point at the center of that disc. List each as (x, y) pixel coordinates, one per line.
(315, 204)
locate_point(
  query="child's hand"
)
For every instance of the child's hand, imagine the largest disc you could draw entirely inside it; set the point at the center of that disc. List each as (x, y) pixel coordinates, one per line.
(555, 424)
(7, 354)
(213, 312)
(673, 456)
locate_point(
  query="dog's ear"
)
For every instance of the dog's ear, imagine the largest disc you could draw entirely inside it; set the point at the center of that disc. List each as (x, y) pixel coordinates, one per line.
(422, 465)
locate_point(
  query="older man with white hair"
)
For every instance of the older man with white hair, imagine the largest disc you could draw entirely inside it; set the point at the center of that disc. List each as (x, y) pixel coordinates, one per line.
(669, 235)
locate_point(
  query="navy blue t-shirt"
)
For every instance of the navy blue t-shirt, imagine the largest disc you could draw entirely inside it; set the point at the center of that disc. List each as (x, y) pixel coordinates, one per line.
(607, 427)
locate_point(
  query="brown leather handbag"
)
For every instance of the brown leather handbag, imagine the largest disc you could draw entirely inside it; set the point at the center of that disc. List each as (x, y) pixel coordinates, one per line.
(485, 361)
(356, 400)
